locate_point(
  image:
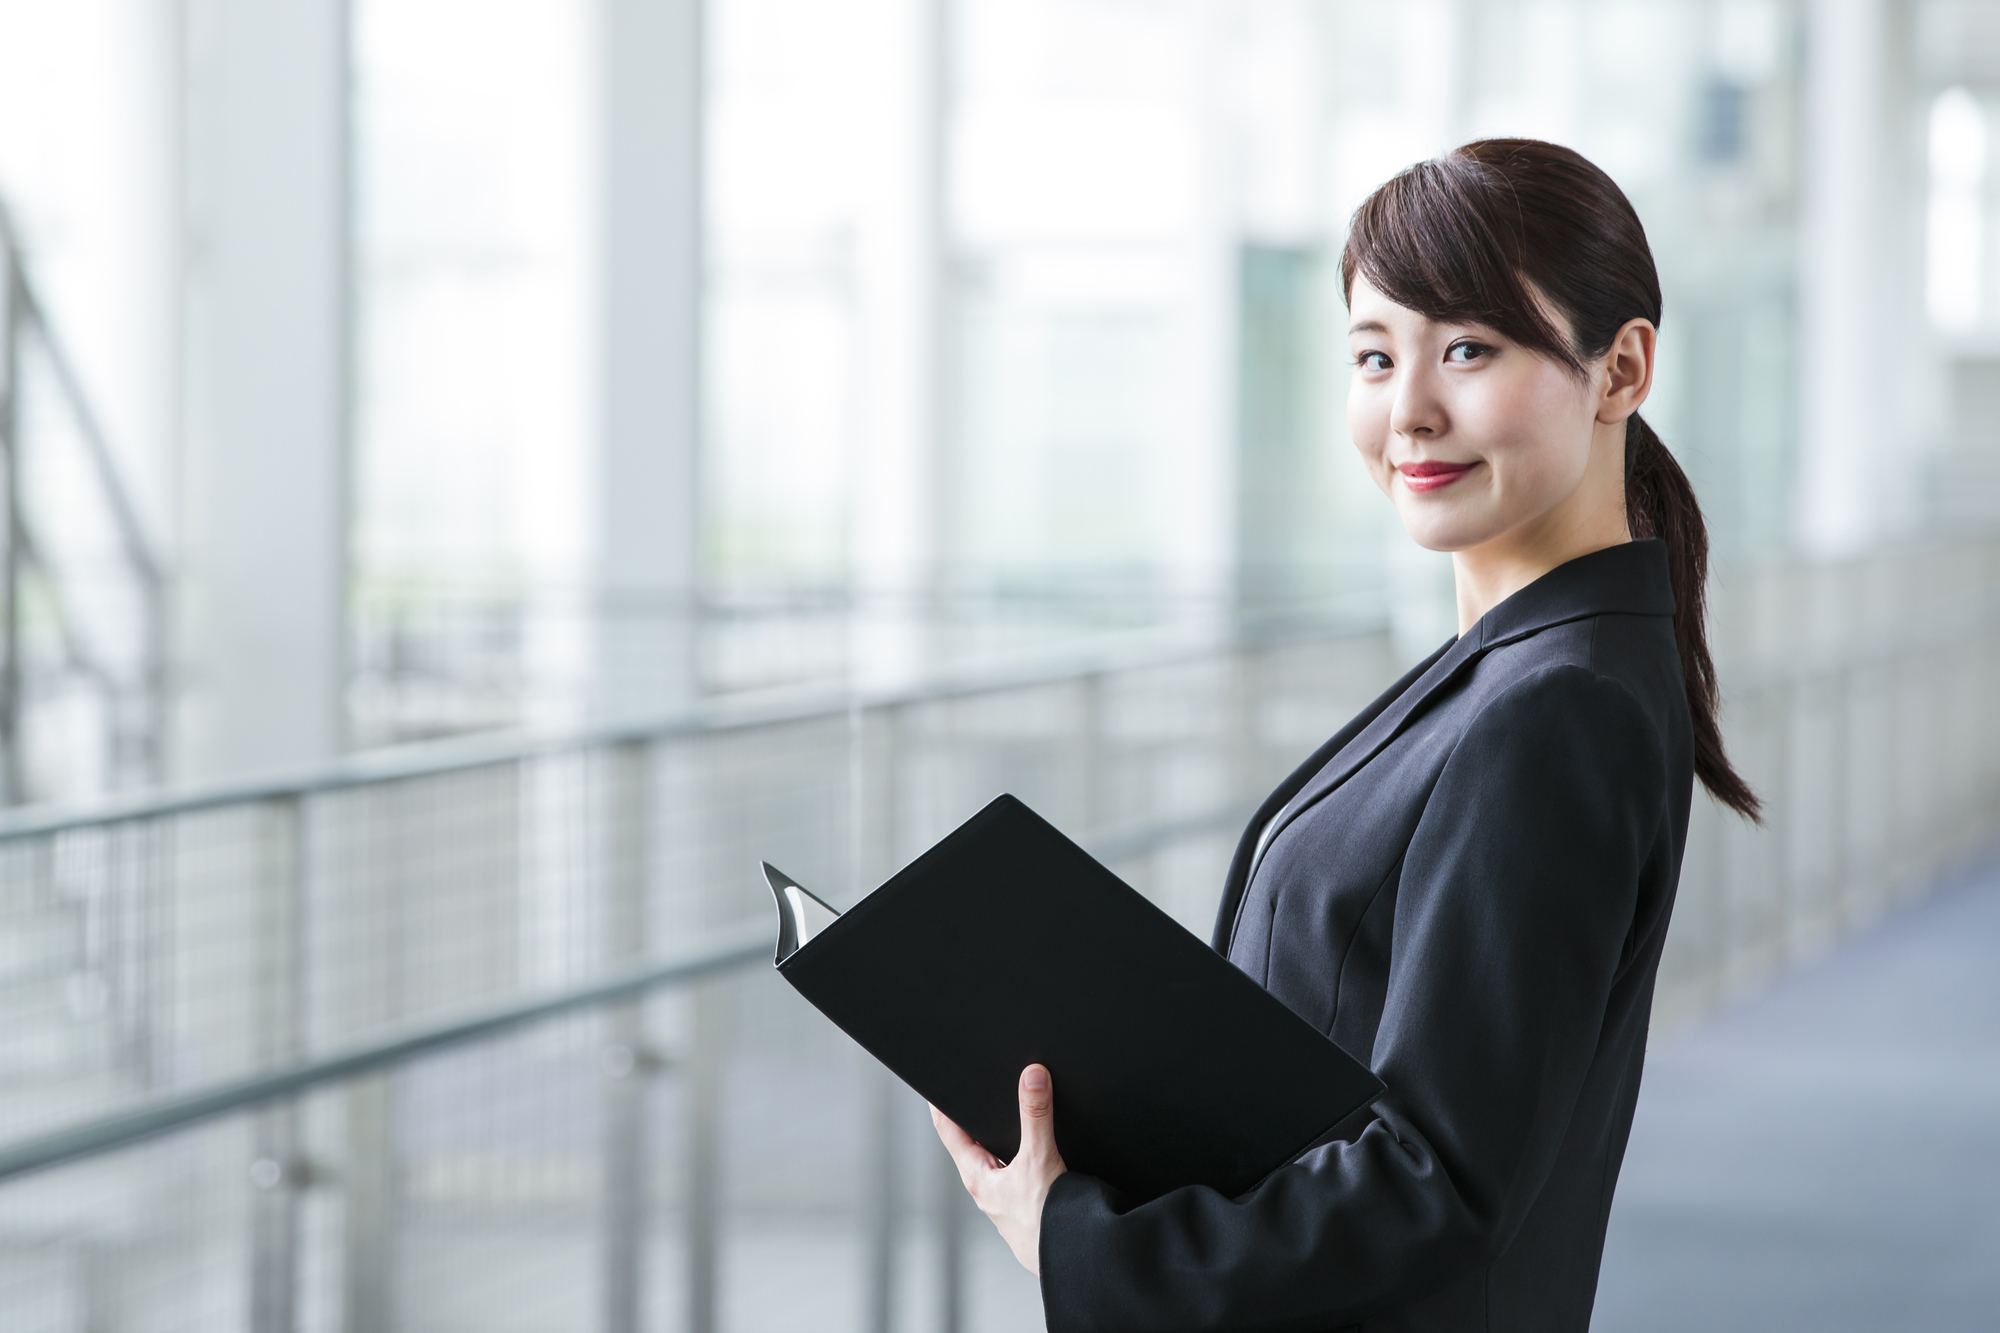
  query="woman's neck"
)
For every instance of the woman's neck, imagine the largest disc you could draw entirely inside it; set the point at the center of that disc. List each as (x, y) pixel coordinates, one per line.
(1489, 574)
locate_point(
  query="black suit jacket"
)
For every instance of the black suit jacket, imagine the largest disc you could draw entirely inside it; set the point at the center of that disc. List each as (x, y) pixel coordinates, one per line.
(1468, 886)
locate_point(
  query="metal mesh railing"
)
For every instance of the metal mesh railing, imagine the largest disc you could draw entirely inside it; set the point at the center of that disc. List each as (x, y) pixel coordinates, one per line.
(1858, 701)
(704, 1155)
(708, 1157)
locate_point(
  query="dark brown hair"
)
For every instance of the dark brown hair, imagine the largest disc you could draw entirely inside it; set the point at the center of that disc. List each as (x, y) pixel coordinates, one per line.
(1477, 236)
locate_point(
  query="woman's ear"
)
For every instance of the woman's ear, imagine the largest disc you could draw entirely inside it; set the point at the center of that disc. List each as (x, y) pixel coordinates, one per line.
(1628, 371)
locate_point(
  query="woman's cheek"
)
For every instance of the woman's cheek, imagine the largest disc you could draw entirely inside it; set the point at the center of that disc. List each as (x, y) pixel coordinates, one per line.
(1369, 429)
(1550, 453)
(1550, 417)
(1533, 476)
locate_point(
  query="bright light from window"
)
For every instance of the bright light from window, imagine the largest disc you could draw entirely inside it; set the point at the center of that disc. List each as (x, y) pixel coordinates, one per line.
(473, 240)
(1957, 221)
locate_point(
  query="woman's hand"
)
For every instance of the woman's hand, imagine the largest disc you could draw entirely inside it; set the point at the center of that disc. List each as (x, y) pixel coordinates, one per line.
(1012, 1195)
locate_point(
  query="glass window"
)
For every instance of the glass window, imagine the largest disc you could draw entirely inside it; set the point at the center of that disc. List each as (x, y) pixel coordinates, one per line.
(474, 350)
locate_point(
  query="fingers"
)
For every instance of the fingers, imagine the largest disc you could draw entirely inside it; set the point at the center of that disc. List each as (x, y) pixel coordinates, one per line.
(948, 1130)
(966, 1152)
(1038, 1112)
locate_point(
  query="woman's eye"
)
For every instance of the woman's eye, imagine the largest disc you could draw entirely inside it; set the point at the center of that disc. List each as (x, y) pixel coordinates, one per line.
(1373, 361)
(1462, 352)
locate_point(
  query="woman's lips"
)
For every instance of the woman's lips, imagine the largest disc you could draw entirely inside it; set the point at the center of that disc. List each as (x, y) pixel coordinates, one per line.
(1432, 476)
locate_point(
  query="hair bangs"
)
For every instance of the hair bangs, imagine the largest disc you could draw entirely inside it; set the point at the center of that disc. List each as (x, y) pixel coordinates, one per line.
(1444, 238)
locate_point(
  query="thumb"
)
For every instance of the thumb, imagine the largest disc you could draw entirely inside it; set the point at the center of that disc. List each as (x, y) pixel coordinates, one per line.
(1038, 1111)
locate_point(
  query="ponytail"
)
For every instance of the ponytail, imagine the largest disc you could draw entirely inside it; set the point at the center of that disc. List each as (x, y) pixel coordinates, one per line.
(1517, 234)
(1659, 502)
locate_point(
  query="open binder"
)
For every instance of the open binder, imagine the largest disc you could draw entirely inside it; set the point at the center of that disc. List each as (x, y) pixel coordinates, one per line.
(1007, 944)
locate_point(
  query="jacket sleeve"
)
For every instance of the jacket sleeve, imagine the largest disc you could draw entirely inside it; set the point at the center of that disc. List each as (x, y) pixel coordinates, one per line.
(1513, 906)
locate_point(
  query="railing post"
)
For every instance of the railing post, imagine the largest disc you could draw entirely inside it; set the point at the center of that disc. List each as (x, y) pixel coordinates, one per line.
(1091, 745)
(369, 1184)
(145, 883)
(277, 1176)
(156, 686)
(704, 1191)
(374, 912)
(276, 1172)
(951, 1206)
(1245, 681)
(624, 1167)
(626, 1064)
(876, 802)
(1839, 823)
(883, 1094)
(950, 1191)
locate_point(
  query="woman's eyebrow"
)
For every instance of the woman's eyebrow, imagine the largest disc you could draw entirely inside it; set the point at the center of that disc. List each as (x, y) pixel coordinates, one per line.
(1368, 326)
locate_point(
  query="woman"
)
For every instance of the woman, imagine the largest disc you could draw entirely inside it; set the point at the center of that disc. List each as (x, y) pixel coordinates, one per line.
(1470, 883)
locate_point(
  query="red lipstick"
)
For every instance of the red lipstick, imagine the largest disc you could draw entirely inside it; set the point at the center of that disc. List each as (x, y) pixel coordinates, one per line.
(1432, 476)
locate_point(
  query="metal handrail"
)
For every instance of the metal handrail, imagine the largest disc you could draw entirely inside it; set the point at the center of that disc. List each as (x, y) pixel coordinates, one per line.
(735, 948)
(459, 754)
(136, 1124)
(91, 1138)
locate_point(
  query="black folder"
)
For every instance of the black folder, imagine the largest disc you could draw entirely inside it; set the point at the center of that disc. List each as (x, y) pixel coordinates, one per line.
(1007, 944)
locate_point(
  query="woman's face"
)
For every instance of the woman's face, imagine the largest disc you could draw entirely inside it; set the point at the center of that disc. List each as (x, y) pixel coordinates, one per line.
(1472, 436)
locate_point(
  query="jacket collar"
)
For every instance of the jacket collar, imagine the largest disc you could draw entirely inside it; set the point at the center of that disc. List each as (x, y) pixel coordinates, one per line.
(1631, 578)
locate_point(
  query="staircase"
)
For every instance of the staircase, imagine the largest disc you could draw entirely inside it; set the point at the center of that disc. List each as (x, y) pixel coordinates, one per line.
(83, 594)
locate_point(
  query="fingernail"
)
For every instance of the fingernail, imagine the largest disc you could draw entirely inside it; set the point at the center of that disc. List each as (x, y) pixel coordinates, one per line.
(1035, 1079)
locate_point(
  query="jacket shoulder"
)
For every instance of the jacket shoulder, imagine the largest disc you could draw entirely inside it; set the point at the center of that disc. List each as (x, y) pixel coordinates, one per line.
(1636, 653)
(1563, 717)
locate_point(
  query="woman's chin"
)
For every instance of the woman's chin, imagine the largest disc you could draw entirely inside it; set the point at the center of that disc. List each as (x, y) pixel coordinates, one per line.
(1438, 532)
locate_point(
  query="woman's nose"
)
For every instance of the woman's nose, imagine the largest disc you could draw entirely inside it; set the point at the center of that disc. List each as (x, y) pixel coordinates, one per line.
(1416, 410)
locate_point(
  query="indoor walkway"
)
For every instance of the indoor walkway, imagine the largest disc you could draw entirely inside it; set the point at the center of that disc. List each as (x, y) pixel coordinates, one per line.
(1826, 1156)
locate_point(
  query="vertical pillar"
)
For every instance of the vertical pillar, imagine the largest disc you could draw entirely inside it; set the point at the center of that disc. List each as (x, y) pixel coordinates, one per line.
(266, 504)
(1856, 478)
(650, 294)
(1201, 508)
(130, 353)
(896, 496)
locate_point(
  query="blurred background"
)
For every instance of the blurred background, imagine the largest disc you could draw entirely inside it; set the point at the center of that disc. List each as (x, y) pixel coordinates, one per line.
(480, 474)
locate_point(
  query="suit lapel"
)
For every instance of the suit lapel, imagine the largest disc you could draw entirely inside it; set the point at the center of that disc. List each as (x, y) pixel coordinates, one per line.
(1631, 578)
(1251, 843)
(1379, 731)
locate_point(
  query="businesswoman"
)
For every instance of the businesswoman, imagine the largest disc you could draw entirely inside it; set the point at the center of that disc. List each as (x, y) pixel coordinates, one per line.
(1469, 884)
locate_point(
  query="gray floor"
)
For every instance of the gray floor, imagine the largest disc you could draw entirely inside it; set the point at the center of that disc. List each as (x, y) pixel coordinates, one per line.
(1826, 1155)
